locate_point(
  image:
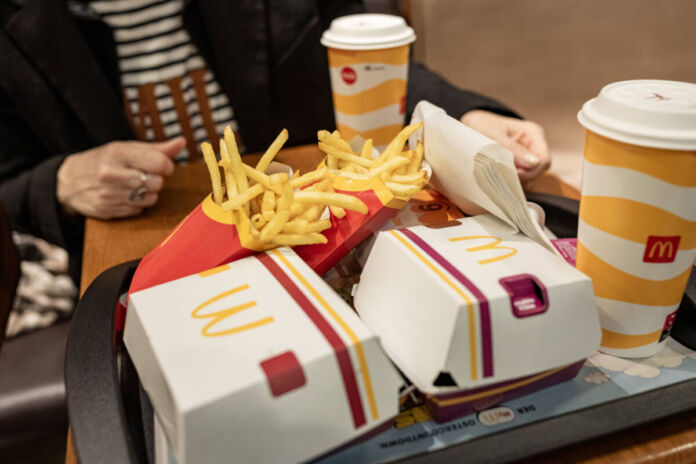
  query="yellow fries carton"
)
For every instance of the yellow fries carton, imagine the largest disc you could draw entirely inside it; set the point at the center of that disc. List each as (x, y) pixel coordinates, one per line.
(474, 304)
(258, 361)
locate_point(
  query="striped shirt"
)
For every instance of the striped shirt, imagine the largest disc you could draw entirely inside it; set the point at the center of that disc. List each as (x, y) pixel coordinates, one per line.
(167, 87)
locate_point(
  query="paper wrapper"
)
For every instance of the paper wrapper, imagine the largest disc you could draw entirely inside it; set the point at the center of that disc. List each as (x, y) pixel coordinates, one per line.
(473, 171)
(347, 233)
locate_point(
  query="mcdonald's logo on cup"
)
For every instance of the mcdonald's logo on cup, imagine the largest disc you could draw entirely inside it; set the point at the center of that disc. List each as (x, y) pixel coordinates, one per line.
(661, 249)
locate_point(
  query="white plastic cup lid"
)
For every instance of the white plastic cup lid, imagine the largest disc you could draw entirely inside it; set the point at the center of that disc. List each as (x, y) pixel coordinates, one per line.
(649, 113)
(367, 32)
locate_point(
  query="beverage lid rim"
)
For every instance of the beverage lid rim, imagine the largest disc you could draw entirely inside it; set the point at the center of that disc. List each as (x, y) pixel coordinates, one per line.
(333, 38)
(651, 134)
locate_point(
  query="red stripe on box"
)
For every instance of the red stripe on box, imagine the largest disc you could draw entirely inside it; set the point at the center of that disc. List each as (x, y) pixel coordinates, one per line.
(484, 312)
(340, 349)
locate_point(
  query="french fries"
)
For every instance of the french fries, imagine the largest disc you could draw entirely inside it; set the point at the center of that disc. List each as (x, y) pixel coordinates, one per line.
(278, 209)
(211, 162)
(400, 170)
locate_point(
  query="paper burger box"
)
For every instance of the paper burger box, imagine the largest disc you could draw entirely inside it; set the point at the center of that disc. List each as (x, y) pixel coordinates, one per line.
(474, 304)
(258, 361)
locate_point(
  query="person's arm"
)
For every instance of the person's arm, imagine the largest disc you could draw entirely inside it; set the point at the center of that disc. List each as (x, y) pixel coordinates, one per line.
(28, 182)
(48, 195)
(524, 138)
(425, 84)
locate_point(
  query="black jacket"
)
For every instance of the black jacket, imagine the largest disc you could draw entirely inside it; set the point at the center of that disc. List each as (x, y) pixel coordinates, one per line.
(60, 91)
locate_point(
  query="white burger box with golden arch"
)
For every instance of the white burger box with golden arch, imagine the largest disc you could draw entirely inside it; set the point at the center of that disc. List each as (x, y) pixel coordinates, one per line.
(258, 360)
(474, 313)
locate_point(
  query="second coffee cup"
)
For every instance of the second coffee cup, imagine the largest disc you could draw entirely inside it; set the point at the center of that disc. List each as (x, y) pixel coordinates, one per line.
(637, 228)
(368, 63)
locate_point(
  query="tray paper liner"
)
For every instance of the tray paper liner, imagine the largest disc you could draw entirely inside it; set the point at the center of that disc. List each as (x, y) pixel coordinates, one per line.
(258, 348)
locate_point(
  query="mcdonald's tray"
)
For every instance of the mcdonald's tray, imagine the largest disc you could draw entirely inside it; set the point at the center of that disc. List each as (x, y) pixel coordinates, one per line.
(608, 395)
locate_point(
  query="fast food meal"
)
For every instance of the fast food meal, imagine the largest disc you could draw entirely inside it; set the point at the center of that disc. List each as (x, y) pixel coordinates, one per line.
(323, 212)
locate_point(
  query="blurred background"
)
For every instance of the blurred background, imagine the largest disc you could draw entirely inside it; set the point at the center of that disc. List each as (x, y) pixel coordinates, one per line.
(545, 58)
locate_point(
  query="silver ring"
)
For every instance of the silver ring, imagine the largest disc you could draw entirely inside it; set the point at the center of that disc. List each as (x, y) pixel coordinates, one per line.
(137, 195)
(143, 177)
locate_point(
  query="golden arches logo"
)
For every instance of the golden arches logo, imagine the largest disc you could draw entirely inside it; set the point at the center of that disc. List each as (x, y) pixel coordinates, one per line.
(221, 315)
(661, 249)
(665, 249)
(493, 245)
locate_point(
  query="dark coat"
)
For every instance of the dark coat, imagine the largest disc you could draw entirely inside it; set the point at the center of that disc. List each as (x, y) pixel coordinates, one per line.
(60, 91)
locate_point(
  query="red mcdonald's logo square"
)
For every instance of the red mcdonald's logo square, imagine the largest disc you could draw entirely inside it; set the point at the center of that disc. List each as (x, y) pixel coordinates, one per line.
(284, 373)
(661, 249)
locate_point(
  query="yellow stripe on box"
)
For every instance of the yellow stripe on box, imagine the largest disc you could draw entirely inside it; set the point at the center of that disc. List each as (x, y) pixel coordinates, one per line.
(624, 341)
(215, 270)
(380, 136)
(614, 284)
(495, 391)
(672, 166)
(394, 56)
(346, 328)
(635, 221)
(389, 92)
(453, 286)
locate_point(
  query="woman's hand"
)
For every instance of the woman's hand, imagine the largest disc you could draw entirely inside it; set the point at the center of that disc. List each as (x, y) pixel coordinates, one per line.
(115, 180)
(524, 138)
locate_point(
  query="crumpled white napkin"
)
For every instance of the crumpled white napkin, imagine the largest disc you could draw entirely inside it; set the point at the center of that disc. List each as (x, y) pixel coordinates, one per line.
(473, 171)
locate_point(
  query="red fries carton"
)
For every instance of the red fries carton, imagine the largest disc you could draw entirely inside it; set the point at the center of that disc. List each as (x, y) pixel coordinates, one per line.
(207, 237)
(346, 233)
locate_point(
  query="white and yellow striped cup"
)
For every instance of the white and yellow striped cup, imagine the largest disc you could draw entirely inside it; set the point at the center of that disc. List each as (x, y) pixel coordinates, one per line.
(637, 227)
(368, 63)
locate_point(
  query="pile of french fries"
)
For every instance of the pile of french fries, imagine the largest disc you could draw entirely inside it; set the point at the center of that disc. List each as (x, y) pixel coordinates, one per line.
(283, 210)
(399, 170)
(279, 209)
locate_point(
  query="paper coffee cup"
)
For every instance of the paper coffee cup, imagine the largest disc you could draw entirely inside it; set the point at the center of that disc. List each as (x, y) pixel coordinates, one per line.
(368, 62)
(637, 227)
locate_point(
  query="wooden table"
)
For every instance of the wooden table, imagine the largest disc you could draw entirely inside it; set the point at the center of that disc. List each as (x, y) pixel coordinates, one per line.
(108, 243)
